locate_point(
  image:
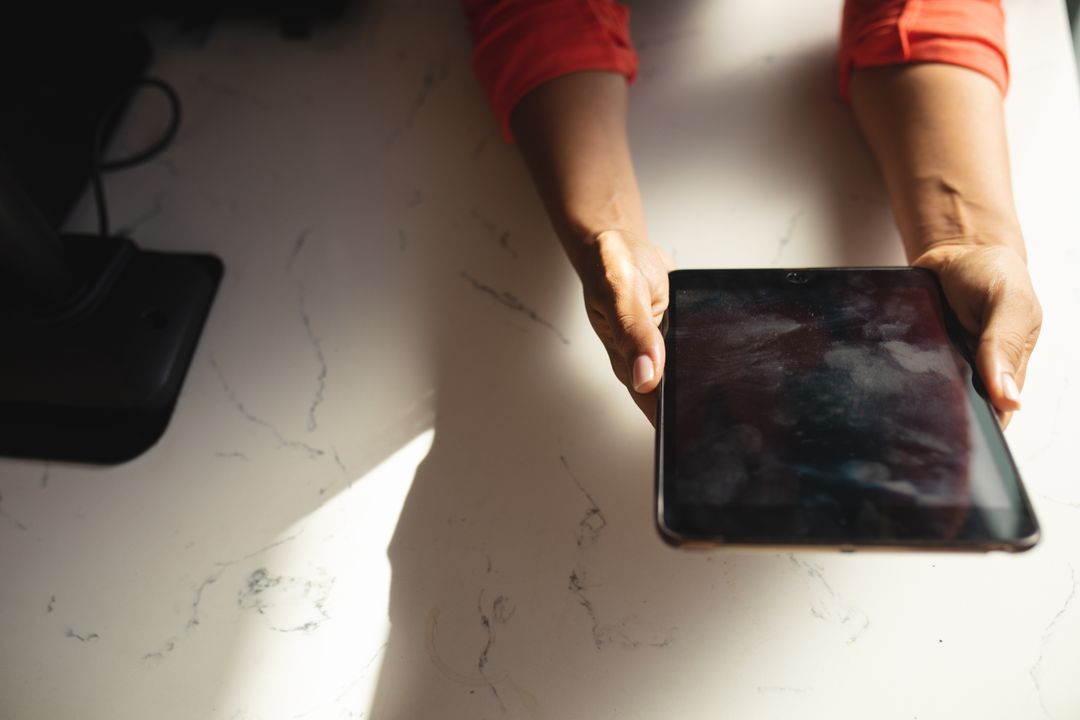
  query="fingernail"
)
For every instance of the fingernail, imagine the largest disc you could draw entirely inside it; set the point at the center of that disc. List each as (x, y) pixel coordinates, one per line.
(643, 371)
(1008, 387)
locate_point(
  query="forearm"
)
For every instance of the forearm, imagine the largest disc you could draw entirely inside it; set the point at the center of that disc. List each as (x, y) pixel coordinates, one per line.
(938, 133)
(572, 134)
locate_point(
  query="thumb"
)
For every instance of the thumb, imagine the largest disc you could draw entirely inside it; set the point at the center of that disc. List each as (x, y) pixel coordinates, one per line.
(638, 340)
(1011, 323)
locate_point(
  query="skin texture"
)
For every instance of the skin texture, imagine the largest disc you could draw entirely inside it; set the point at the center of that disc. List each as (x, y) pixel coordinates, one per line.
(938, 134)
(572, 134)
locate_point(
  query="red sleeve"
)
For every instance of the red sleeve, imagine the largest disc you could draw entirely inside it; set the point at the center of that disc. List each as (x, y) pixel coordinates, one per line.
(968, 33)
(520, 44)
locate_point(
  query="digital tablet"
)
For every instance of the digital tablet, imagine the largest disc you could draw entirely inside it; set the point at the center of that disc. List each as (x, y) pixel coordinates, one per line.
(828, 407)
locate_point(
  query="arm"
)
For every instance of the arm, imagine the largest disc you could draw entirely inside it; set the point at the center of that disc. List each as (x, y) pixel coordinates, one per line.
(572, 134)
(555, 73)
(938, 134)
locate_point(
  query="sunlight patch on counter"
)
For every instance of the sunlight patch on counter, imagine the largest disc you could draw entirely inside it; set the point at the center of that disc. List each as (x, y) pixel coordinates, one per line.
(312, 615)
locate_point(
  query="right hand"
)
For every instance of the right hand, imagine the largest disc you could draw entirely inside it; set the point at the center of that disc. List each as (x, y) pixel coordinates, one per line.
(626, 293)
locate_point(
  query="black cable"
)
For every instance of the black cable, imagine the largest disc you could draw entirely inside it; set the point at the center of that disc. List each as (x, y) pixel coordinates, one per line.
(99, 166)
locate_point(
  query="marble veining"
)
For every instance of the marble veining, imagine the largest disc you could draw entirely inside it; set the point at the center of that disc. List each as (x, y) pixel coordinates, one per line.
(351, 516)
(301, 240)
(435, 74)
(320, 378)
(593, 521)
(194, 617)
(1047, 634)
(82, 637)
(826, 605)
(786, 237)
(310, 451)
(491, 617)
(628, 632)
(290, 604)
(8, 519)
(511, 301)
(238, 93)
(500, 235)
(144, 218)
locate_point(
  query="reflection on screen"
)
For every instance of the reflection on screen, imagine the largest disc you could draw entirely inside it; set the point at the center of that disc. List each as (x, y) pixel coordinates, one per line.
(842, 400)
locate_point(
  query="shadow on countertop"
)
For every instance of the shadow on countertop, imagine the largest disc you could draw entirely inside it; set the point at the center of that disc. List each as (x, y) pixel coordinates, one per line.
(393, 271)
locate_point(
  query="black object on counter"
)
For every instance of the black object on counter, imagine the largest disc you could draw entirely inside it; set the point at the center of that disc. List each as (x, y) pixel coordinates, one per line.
(96, 337)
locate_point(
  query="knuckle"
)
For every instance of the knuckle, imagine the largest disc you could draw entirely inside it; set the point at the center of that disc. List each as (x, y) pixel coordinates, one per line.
(1015, 344)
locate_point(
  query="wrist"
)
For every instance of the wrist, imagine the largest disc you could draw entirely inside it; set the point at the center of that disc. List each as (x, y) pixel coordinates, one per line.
(946, 222)
(940, 256)
(592, 250)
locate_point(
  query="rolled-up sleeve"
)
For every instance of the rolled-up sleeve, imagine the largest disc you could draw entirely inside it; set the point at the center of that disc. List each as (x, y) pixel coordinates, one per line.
(520, 44)
(968, 33)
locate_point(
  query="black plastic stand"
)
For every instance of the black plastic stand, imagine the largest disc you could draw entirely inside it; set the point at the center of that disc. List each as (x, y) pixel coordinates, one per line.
(96, 337)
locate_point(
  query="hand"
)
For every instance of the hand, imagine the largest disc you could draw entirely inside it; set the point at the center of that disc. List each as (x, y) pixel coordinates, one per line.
(989, 290)
(626, 293)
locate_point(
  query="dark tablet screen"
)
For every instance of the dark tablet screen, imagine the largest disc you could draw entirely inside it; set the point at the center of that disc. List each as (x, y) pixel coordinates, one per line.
(827, 406)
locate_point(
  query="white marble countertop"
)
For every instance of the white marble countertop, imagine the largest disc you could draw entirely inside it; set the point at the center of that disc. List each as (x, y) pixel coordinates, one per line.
(400, 483)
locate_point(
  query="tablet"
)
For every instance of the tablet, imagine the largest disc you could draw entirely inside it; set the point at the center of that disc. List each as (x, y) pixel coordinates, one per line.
(828, 407)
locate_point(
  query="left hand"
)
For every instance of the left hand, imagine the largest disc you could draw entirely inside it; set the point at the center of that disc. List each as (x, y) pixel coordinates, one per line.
(989, 289)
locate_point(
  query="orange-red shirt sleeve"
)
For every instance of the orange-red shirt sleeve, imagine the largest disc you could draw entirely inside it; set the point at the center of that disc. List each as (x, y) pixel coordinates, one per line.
(520, 44)
(968, 33)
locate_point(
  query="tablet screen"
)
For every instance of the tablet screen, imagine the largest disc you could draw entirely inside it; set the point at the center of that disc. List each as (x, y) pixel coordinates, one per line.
(827, 406)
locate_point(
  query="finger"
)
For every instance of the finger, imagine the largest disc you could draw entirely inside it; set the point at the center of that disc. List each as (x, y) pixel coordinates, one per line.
(638, 340)
(1010, 330)
(646, 402)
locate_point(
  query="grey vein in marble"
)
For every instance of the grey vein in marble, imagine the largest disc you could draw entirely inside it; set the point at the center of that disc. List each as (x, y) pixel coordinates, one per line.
(312, 452)
(52, 602)
(502, 238)
(1050, 438)
(4, 516)
(593, 522)
(298, 245)
(827, 606)
(507, 299)
(262, 592)
(341, 466)
(236, 93)
(234, 454)
(481, 144)
(88, 637)
(500, 614)
(193, 621)
(320, 380)
(339, 463)
(623, 632)
(1035, 670)
(44, 482)
(1059, 501)
(155, 210)
(434, 75)
(783, 243)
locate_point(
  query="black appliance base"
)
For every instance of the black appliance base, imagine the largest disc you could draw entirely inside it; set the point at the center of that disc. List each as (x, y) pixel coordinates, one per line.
(99, 383)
